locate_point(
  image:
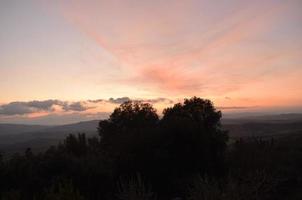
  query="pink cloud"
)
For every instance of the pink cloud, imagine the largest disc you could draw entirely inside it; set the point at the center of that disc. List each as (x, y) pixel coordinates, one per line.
(173, 48)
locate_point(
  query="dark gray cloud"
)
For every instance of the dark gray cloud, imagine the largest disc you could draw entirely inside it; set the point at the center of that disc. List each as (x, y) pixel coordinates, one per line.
(97, 101)
(46, 105)
(75, 106)
(16, 108)
(152, 101)
(22, 108)
(27, 107)
(234, 107)
(159, 100)
(119, 100)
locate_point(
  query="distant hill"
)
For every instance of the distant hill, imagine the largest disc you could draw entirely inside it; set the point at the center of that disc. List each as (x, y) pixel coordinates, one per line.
(263, 125)
(263, 129)
(16, 138)
(12, 129)
(19, 137)
(278, 118)
(88, 127)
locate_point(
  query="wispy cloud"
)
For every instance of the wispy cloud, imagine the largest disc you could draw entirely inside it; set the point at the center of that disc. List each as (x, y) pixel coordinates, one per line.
(182, 52)
(170, 49)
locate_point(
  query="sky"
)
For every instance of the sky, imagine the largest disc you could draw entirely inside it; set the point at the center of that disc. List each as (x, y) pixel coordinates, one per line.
(65, 61)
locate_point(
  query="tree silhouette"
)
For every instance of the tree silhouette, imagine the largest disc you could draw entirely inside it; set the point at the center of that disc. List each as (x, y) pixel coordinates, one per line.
(187, 140)
(63, 190)
(197, 139)
(76, 145)
(128, 116)
(127, 121)
(126, 135)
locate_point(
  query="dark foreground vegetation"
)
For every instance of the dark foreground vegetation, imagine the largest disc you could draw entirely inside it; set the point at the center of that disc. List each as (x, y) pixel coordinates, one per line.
(138, 156)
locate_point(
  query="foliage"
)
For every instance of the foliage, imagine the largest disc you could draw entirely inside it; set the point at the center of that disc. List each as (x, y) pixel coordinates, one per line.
(63, 190)
(193, 132)
(129, 116)
(250, 187)
(204, 189)
(168, 152)
(134, 188)
(11, 195)
(188, 139)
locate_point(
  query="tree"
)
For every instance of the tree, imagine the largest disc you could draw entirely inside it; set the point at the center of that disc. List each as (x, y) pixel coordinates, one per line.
(128, 116)
(129, 121)
(134, 188)
(63, 191)
(186, 141)
(75, 145)
(128, 132)
(194, 137)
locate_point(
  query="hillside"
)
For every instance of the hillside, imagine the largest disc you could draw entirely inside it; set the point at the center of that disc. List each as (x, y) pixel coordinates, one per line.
(12, 129)
(16, 138)
(40, 137)
(263, 125)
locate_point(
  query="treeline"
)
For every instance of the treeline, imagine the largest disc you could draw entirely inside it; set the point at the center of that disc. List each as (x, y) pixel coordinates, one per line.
(139, 156)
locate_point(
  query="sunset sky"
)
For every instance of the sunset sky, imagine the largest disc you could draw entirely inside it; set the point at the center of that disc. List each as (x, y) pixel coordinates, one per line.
(64, 61)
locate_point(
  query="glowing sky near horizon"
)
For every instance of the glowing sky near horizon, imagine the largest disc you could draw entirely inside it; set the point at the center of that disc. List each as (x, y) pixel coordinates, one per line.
(237, 53)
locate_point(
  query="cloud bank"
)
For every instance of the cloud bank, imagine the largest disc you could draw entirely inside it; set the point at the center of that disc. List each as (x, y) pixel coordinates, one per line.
(21, 108)
(59, 106)
(54, 112)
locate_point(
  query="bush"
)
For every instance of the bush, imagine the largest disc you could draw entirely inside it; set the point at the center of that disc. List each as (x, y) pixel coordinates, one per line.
(134, 189)
(63, 190)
